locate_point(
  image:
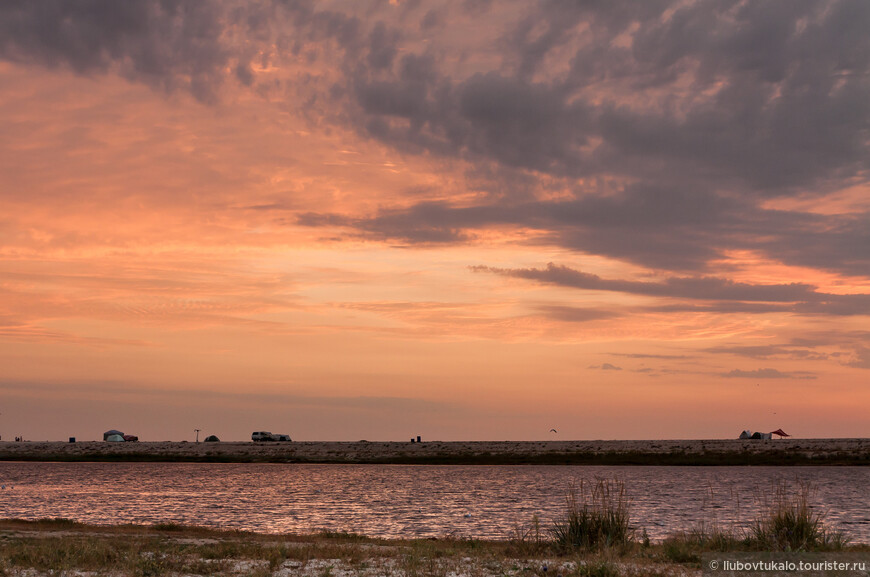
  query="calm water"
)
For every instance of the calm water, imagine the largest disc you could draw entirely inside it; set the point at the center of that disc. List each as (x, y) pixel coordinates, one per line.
(408, 501)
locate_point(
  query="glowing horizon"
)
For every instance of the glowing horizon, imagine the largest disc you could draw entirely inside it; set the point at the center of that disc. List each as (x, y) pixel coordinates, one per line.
(458, 219)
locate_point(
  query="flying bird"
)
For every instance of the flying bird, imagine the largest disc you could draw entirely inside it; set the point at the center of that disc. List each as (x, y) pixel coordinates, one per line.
(553, 431)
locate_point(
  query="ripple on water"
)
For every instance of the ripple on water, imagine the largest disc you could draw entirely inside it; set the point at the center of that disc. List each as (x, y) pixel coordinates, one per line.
(403, 501)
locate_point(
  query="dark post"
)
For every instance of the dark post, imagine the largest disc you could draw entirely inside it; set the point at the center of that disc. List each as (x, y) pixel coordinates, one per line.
(418, 439)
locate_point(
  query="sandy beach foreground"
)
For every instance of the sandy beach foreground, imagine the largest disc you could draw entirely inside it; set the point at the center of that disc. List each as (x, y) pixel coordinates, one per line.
(50, 547)
(663, 452)
(63, 547)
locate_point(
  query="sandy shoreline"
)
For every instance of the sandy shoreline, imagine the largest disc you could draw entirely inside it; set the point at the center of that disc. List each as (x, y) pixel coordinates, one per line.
(36, 549)
(62, 547)
(665, 452)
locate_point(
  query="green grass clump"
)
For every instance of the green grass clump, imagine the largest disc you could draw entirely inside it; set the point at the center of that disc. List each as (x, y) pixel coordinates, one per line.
(596, 517)
(677, 550)
(169, 526)
(342, 536)
(598, 569)
(789, 523)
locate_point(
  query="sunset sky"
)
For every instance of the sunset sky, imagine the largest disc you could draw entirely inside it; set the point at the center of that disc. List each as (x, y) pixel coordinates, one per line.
(459, 219)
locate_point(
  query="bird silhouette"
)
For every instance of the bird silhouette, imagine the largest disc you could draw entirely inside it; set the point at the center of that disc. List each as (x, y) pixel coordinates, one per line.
(553, 431)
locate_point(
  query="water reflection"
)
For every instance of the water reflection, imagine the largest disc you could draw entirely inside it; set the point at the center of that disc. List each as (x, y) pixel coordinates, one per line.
(408, 501)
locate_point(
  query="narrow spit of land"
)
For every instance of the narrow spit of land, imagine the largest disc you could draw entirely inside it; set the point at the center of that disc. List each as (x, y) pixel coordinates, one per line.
(672, 452)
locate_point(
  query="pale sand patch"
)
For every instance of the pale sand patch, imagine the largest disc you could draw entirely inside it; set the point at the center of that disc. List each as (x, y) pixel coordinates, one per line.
(348, 559)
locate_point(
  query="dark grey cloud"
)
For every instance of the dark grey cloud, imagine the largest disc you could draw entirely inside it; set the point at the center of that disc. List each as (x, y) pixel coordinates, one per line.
(692, 288)
(167, 44)
(680, 118)
(848, 347)
(777, 96)
(657, 227)
(178, 44)
(726, 307)
(383, 46)
(606, 367)
(771, 352)
(768, 374)
(700, 115)
(432, 19)
(755, 98)
(726, 295)
(650, 356)
(571, 314)
(861, 358)
(829, 338)
(836, 242)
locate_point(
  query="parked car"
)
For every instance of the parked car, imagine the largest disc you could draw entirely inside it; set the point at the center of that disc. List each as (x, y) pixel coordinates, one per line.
(131, 438)
(259, 436)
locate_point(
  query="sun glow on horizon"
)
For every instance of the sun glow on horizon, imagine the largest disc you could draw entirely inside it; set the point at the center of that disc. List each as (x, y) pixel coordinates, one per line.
(353, 221)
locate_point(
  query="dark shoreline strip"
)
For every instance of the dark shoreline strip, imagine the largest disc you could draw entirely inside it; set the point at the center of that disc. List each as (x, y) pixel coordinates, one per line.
(674, 458)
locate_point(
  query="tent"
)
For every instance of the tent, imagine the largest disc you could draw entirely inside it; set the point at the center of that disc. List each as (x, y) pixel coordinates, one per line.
(111, 432)
(763, 436)
(212, 439)
(747, 434)
(780, 432)
(115, 439)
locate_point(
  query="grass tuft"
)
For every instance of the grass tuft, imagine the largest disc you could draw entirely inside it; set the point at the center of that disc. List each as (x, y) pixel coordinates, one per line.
(598, 569)
(788, 522)
(347, 536)
(529, 539)
(170, 526)
(597, 517)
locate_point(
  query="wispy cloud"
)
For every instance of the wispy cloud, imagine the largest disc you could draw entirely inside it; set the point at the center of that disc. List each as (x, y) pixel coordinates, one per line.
(800, 297)
(606, 367)
(768, 374)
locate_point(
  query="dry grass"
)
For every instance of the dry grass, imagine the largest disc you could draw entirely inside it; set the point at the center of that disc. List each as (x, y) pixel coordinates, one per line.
(37, 549)
(45, 548)
(789, 522)
(597, 516)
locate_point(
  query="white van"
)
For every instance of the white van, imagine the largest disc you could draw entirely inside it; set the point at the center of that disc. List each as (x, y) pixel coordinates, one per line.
(258, 436)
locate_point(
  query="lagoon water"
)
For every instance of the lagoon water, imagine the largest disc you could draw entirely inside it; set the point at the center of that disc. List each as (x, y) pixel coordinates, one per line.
(411, 500)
